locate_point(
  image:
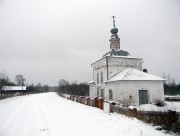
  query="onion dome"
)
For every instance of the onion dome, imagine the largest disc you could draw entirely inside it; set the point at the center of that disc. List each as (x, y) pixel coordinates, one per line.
(114, 30)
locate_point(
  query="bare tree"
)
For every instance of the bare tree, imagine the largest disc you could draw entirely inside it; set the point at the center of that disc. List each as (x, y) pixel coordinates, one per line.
(63, 82)
(20, 80)
(4, 79)
(173, 82)
(45, 88)
(169, 80)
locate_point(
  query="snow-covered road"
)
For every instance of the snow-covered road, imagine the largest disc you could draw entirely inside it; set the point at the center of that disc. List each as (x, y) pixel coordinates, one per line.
(49, 115)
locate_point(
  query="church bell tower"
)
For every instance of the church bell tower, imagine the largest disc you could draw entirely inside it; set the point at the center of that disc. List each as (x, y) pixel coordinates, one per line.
(114, 40)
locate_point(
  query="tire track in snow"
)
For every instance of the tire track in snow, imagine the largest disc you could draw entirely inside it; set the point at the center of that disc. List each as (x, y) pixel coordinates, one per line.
(16, 115)
(43, 125)
(56, 128)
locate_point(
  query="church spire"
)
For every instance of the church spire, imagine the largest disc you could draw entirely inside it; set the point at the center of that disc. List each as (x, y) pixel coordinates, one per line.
(114, 40)
(114, 21)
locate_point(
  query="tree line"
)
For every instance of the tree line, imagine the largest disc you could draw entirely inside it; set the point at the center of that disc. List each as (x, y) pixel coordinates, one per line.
(170, 86)
(38, 88)
(4, 80)
(81, 89)
(172, 89)
(20, 81)
(64, 87)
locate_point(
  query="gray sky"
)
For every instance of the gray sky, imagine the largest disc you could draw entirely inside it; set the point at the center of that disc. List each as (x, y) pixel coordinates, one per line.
(47, 40)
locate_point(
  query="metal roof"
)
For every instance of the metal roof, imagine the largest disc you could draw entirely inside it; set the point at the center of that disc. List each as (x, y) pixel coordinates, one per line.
(116, 52)
(134, 75)
(13, 88)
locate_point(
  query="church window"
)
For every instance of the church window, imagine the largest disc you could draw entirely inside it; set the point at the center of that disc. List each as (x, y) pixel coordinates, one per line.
(110, 95)
(101, 77)
(97, 77)
(97, 92)
(102, 93)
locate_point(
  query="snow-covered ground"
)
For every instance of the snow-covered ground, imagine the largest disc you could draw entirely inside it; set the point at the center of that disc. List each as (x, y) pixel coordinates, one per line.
(50, 115)
(173, 106)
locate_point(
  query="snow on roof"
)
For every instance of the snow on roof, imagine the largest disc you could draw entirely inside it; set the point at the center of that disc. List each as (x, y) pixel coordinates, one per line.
(124, 57)
(91, 82)
(118, 53)
(13, 88)
(133, 74)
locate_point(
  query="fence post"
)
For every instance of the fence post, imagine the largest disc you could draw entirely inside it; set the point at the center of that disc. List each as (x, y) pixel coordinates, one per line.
(107, 107)
(101, 103)
(111, 106)
(96, 102)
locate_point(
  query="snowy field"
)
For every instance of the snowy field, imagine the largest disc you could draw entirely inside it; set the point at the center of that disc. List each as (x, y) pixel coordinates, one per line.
(50, 115)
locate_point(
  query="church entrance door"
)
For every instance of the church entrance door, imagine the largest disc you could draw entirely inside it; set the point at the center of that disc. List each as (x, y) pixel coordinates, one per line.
(143, 97)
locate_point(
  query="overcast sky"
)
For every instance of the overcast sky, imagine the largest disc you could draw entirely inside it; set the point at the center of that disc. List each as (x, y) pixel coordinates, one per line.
(47, 40)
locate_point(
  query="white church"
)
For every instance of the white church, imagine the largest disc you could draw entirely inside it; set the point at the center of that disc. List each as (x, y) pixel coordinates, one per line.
(119, 77)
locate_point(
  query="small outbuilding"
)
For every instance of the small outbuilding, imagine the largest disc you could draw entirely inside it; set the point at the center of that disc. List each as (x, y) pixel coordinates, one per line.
(132, 86)
(7, 91)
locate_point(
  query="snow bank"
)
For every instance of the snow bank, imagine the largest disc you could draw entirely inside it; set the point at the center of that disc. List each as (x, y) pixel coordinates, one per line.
(174, 106)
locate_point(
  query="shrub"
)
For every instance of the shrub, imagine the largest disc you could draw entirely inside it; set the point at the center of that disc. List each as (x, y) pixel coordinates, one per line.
(159, 103)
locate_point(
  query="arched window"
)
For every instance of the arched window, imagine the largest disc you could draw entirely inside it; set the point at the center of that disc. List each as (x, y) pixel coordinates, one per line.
(102, 93)
(97, 91)
(101, 77)
(97, 77)
(110, 94)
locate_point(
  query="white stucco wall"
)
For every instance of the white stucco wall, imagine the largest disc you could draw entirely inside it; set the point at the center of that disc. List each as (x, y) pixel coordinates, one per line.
(92, 91)
(122, 90)
(115, 65)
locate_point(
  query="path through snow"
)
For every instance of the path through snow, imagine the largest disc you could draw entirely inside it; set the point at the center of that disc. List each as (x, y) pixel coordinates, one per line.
(49, 115)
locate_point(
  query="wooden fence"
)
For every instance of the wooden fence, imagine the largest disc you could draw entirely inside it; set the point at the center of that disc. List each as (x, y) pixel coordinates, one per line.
(169, 120)
(96, 102)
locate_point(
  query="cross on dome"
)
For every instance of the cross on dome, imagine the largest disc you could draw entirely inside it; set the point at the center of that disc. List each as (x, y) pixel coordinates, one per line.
(114, 21)
(115, 40)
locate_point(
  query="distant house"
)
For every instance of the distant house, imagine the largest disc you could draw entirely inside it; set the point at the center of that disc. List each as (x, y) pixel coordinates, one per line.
(119, 77)
(7, 91)
(13, 88)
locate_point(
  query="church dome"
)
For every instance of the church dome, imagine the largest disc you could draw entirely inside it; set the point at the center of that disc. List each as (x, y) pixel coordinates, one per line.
(114, 30)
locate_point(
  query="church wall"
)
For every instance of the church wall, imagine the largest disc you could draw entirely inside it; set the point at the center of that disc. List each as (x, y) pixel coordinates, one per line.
(99, 68)
(100, 85)
(117, 64)
(128, 91)
(92, 91)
